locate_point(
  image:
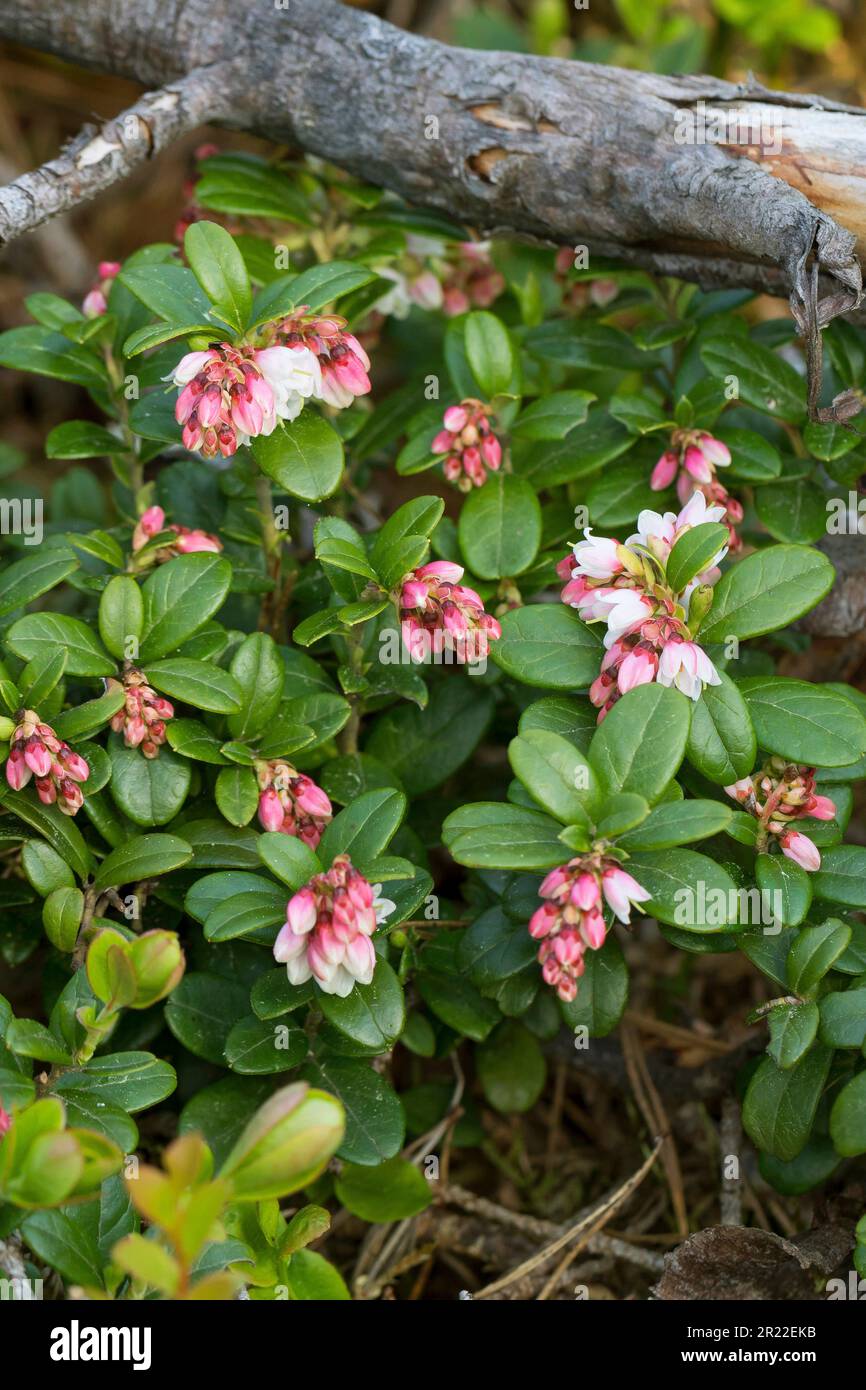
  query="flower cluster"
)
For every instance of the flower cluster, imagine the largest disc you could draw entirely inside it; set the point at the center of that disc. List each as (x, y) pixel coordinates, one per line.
(470, 445)
(438, 614)
(470, 279)
(433, 274)
(291, 802)
(142, 717)
(96, 300)
(648, 637)
(342, 361)
(572, 917)
(328, 928)
(37, 751)
(187, 540)
(780, 794)
(228, 396)
(693, 457)
(579, 294)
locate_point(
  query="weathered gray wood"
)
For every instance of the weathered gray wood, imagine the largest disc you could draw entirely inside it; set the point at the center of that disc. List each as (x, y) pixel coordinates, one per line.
(562, 152)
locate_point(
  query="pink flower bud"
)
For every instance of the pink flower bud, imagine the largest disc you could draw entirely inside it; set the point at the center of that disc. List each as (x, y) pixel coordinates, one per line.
(696, 464)
(714, 451)
(455, 418)
(593, 929)
(665, 471)
(37, 757)
(302, 911)
(270, 810)
(801, 849)
(821, 807)
(18, 774)
(585, 892)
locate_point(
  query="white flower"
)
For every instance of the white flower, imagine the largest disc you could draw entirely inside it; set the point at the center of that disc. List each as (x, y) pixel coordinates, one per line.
(383, 907)
(597, 556)
(394, 303)
(686, 666)
(624, 609)
(294, 375)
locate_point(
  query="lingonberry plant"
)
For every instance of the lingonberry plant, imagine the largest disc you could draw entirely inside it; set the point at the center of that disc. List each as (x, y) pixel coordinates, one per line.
(303, 790)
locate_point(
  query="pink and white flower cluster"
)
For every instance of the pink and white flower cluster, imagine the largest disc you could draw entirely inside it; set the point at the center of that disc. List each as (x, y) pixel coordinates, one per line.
(228, 396)
(343, 363)
(440, 615)
(291, 802)
(187, 540)
(777, 796)
(693, 457)
(578, 295)
(648, 636)
(572, 919)
(328, 928)
(143, 715)
(36, 751)
(470, 279)
(96, 300)
(470, 444)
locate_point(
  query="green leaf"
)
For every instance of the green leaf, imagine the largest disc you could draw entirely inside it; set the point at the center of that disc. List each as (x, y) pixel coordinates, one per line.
(500, 527)
(494, 948)
(365, 828)
(293, 862)
(313, 1279)
(28, 1038)
(767, 590)
(202, 1011)
(121, 614)
(304, 456)
(62, 913)
(59, 830)
(130, 1080)
(316, 287)
(556, 775)
(145, 856)
(169, 290)
(784, 884)
(842, 876)
(46, 870)
(780, 1106)
(641, 743)
(256, 1048)
(493, 835)
(37, 349)
(150, 791)
(546, 644)
(237, 794)
(65, 1245)
(688, 890)
(753, 458)
(374, 1116)
(457, 1002)
(602, 992)
(722, 743)
(422, 747)
(806, 723)
(219, 268)
(257, 670)
(813, 954)
(511, 1068)
(766, 381)
(843, 1018)
(179, 597)
(86, 719)
(198, 683)
(25, 580)
(393, 1191)
(694, 552)
(41, 633)
(793, 1028)
(489, 352)
(676, 823)
(848, 1118)
(373, 1015)
(553, 416)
